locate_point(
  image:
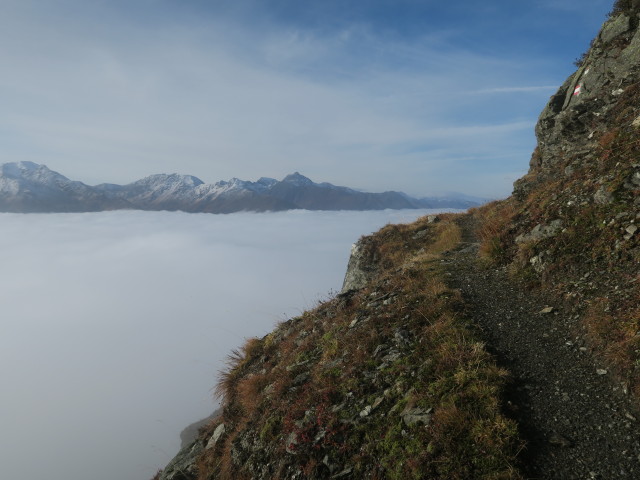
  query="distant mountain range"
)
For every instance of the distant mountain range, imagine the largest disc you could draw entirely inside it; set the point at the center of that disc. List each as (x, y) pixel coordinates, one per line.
(27, 187)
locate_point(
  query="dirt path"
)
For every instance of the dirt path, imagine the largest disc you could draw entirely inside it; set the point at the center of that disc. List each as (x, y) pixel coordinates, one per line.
(576, 419)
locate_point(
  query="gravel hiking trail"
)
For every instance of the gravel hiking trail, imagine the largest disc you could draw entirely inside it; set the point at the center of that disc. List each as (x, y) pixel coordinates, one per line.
(576, 419)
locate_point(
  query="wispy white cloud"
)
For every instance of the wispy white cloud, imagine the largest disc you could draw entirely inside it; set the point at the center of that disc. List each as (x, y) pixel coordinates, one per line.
(104, 97)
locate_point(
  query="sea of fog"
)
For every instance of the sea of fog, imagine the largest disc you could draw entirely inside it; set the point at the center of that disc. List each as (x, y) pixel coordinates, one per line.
(115, 324)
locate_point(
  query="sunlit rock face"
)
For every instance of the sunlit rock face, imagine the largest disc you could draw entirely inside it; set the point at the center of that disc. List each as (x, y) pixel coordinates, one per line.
(362, 265)
(571, 123)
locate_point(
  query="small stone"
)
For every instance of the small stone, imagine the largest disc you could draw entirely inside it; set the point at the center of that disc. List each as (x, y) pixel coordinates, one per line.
(537, 263)
(559, 440)
(547, 310)
(292, 443)
(420, 234)
(377, 402)
(603, 196)
(631, 229)
(601, 371)
(217, 433)
(636, 123)
(366, 411)
(331, 466)
(301, 378)
(379, 350)
(353, 323)
(541, 232)
(433, 218)
(343, 473)
(413, 416)
(402, 337)
(392, 356)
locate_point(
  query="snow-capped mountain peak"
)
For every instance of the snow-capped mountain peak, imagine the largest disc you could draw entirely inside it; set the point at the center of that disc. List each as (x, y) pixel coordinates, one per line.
(31, 171)
(17, 169)
(169, 181)
(29, 187)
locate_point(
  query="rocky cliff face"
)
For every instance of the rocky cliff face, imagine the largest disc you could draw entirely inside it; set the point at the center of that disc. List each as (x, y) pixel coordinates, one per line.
(572, 226)
(598, 95)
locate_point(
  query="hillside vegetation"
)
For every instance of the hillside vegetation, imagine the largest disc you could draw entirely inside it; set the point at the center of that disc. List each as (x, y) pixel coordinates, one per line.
(389, 381)
(392, 379)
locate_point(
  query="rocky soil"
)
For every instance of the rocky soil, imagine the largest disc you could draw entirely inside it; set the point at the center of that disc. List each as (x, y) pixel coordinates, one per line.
(576, 418)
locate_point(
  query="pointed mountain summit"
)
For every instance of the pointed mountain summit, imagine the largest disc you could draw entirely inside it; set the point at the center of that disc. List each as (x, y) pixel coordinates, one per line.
(297, 180)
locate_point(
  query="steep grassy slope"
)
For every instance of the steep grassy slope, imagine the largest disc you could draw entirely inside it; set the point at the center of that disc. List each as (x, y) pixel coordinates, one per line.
(386, 382)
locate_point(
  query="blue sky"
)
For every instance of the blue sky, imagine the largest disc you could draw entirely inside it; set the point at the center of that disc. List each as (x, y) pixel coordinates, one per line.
(414, 95)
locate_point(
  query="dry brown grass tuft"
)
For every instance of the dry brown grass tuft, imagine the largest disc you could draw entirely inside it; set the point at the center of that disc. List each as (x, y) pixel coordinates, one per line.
(616, 337)
(495, 219)
(249, 390)
(229, 376)
(448, 236)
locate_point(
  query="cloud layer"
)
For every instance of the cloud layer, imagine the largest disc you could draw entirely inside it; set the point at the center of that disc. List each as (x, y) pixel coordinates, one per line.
(115, 324)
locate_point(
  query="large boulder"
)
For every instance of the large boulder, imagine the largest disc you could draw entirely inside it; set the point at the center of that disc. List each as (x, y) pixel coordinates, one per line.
(362, 265)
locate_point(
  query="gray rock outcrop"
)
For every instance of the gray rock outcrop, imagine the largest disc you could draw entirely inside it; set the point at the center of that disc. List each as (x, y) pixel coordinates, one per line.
(540, 232)
(568, 124)
(190, 432)
(183, 466)
(361, 267)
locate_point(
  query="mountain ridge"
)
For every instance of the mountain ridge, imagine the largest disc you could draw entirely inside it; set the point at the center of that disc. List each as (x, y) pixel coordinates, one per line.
(27, 187)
